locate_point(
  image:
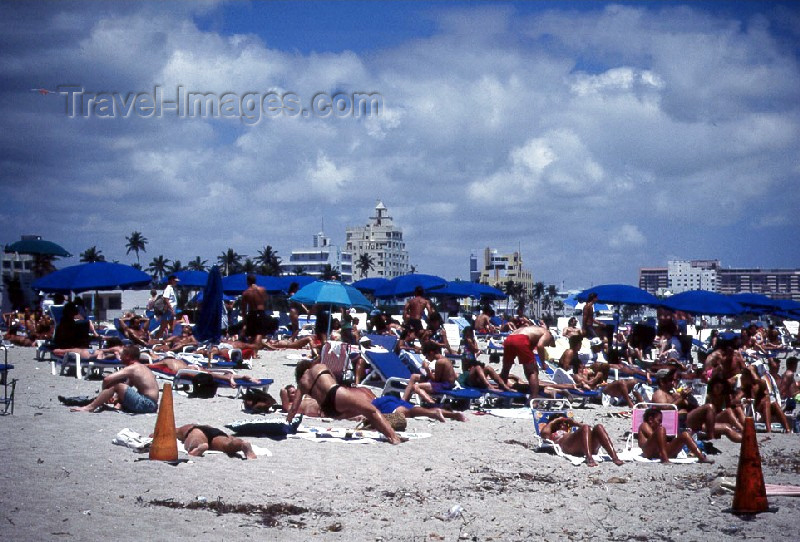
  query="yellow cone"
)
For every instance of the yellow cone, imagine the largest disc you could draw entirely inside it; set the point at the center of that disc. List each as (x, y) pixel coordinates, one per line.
(165, 443)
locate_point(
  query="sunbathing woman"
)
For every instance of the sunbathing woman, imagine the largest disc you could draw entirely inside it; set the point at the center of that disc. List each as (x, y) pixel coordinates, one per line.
(302, 342)
(198, 439)
(720, 396)
(652, 439)
(755, 390)
(316, 380)
(584, 442)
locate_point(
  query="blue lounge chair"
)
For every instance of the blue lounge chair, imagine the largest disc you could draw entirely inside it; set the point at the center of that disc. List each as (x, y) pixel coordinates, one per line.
(8, 398)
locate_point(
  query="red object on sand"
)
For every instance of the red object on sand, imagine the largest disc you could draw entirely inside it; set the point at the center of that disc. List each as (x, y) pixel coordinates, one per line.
(750, 496)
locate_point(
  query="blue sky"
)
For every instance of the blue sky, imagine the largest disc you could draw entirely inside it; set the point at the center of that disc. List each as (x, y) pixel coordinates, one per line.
(598, 137)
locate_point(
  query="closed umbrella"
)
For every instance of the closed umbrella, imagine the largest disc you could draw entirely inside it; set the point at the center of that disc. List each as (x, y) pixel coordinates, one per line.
(93, 276)
(209, 322)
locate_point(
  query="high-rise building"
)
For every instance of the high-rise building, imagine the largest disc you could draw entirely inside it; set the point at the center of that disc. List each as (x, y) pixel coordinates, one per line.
(383, 244)
(682, 275)
(314, 259)
(494, 269)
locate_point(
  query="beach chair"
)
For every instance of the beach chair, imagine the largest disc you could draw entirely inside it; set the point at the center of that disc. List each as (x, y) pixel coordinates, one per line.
(544, 410)
(8, 398)
(336, 355)
(83, 367)
(453, 336)
(560, 376)
(387, 342)
(669, 417)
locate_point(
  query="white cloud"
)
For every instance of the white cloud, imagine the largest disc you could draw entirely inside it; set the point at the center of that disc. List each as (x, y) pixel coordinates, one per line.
(627, 236)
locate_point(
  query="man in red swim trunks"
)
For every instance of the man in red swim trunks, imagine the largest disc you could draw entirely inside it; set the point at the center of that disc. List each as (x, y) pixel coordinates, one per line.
(521, 344)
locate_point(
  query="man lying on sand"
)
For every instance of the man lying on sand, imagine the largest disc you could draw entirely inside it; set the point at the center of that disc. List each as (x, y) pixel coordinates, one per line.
(387, 404)
(198, 439)
(134, 389)
(336, 401)
(173, 365)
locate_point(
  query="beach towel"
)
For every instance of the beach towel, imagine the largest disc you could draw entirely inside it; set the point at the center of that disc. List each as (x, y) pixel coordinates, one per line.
(139, 444)
(350, 436)
(513, 413)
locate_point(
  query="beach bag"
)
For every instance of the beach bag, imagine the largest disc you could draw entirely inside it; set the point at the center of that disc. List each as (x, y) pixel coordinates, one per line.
(159, 306)
(203, 386)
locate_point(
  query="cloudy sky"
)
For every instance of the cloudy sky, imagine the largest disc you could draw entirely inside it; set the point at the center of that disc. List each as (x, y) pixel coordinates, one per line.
(598, 138)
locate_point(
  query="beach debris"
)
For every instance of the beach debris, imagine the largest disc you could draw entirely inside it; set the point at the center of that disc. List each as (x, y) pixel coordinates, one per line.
(270, 514)
(455, 512)
(617, 480)
(335, 527)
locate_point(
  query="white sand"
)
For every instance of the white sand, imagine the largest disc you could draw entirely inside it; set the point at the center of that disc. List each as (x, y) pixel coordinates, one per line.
(61, 478)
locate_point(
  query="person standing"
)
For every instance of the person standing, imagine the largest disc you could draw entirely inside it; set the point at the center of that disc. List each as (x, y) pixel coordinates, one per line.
(254, 303)
(170, 307)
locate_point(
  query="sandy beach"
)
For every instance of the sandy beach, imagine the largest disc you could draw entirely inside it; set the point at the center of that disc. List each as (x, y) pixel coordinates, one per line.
(63, 479)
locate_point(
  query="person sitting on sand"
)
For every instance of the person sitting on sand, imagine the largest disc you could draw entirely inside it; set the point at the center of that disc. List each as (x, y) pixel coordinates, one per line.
(720, 396)
(173, 365)
(134, 388)
(756, 391)
(442, 378)
(583, 442)
(198, 439)
(652, 439)
(316, 380)
(690, 414)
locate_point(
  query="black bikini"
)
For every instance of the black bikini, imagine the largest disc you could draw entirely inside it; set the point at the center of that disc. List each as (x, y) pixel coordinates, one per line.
(328, 405)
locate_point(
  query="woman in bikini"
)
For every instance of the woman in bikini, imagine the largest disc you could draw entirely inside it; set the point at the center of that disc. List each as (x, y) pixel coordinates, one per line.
(335, 401)
(584, 442)
(652, 439)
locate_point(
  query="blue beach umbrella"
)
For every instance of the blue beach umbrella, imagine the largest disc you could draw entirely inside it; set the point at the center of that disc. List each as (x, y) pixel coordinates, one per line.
(703, 302)
(404, 286)
(93, 276)
(332, 293)
(209, 321)
(475, 290)
(284, 281)
(190, 279)
(619, 294)
(38, 246)
(369, 285)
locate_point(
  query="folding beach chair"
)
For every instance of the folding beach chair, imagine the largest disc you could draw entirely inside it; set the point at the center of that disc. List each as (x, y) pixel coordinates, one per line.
(543, 411)
(8, 398)
(669, 417)
(337, 356)
(83, 367)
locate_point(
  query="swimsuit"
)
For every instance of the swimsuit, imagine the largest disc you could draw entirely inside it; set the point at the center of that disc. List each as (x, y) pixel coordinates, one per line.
(518, 346)
(137, 403)
(256, 323)
(210, 432)
(389, 403)
(328, 405)
(414, 323)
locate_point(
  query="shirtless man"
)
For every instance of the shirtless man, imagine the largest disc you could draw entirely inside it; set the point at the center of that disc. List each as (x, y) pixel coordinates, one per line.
(254, 302)
(725, 361)
(590, 328)
(442, 378)
(198, 439)
(786, 384)
(316, 380)
(173, 365)
(415, 309)
(135, 387)
(131, 328)
(585, 442)
(175, 343)
(294, 311)
(699, 418)
(520, 345)
(483, 322)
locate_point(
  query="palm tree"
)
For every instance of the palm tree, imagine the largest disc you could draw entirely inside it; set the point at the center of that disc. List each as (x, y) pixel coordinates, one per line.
(231, 261)
(329, 272)
(269, 261)
(412, 269)
(299, 270)
(197, 264)
(174, 267)
(158, 267)
(365, 264)
(136, 242)
(538, 292)
(43, 264)
(91, 255)
(249, 266)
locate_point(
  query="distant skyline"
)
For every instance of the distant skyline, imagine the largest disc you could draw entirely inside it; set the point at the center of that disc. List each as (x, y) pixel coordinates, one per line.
(596, 137)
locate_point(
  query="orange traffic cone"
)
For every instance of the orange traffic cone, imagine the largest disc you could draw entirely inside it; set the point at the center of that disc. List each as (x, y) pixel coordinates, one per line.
(165, 443)
(750, 496)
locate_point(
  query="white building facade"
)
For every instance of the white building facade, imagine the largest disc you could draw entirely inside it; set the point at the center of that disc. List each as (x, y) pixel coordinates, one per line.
(383, 242)
(314, 259)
